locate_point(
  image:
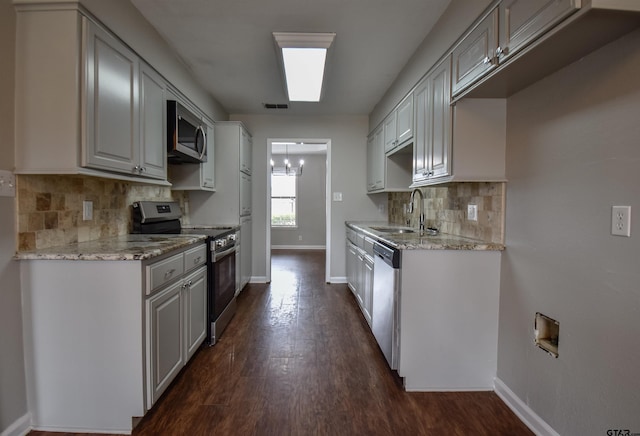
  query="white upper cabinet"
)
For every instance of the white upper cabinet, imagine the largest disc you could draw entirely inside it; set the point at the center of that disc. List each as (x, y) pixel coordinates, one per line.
(153, 116)
(233, 185)
(521, 21)
(398, 126)
(536, 38)
(387, 172)
(124, 108)
(404, 120)
(111, 102)
(432, 142)
(475, 55)
(375, 161)
(246, 146)
(196, 177)
(85, 102)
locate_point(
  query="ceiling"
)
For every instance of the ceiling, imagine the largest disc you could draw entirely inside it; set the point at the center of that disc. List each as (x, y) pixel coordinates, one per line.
(229, 47)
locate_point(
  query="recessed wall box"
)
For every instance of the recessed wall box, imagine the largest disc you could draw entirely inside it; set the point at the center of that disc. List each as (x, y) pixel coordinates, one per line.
(546, 331)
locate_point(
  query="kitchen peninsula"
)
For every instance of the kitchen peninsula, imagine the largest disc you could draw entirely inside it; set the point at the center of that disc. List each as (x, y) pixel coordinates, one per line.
(447, 305)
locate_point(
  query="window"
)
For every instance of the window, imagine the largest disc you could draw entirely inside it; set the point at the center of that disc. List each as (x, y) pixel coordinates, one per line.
(283, 201)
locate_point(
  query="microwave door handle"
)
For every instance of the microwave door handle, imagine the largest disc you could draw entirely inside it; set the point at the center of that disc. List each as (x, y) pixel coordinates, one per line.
(204, 139)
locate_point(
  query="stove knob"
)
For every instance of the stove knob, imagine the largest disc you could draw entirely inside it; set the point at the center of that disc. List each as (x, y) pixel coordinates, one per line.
(232, 237)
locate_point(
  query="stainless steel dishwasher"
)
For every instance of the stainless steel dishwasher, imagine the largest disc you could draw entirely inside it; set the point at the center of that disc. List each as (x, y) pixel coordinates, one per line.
(386, 299)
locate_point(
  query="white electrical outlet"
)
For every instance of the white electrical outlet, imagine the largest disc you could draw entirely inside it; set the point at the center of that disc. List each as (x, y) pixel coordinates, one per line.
(472, 212)
(337, 196)
(621, 220)
(87, 210)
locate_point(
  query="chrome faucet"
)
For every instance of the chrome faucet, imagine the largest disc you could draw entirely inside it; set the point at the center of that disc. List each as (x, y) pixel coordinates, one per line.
(421, 207)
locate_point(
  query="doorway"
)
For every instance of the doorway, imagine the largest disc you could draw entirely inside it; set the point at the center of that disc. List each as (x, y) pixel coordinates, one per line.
(298, 227)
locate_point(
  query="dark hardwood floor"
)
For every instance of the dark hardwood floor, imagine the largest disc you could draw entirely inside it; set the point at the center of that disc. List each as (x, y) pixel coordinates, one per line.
(299, 359)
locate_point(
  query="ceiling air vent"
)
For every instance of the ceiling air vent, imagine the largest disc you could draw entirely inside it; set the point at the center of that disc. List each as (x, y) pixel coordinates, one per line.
(276, 106)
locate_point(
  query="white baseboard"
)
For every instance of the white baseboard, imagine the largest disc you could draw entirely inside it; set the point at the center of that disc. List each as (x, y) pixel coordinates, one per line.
(20, 427)
(338, 280)
(298, 247)
(258, 279)
(524, 412)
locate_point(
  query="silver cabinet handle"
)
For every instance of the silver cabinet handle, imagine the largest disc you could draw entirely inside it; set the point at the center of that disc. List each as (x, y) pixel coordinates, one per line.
(500, 52)
(486, 60)
(169, 273)
(197, 260)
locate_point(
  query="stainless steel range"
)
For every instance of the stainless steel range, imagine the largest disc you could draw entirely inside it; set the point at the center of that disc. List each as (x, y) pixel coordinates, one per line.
(157, 217)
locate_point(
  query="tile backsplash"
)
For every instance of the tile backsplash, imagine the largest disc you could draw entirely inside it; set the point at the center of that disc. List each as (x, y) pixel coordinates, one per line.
(446, 209)
(49, 208)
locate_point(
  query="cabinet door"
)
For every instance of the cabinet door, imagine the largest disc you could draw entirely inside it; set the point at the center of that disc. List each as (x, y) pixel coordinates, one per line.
(375, 161)
(111, 100)
(207, 169)
(390, 136)
(522, 21)
(367, 288)
(360, 277)
(421, 110)
(245, 250)
(404, 120)
(475, 55)
(196, 310)
(245, 194)
(439, 133)
(165, 320)
(351, 264)
(153, 138)
(246, 145)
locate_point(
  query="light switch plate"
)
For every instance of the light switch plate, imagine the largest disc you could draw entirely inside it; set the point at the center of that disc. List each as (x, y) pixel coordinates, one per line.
(337, 196)
(7, 184)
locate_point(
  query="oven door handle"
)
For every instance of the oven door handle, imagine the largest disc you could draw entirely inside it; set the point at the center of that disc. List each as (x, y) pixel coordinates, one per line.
(219, 255)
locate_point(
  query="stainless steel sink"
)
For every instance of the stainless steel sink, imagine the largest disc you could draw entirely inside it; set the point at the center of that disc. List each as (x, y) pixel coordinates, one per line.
(393, 229)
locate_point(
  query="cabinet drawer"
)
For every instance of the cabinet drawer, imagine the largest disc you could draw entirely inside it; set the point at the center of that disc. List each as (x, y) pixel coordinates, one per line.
(368, 245)
(195, 257)
(351, 236)
(164, 271)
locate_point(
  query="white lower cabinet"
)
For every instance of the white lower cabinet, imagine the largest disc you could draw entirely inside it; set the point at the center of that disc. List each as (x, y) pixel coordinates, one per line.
(105, 338)
(245, 250)
(195, 297)
(176, 327)
(359, 263)
(165, 320)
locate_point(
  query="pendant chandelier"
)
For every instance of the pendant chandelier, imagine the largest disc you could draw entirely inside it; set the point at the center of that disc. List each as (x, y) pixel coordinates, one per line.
(287, 169)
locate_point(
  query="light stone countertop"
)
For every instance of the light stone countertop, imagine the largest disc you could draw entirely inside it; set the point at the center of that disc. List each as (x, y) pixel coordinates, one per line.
(124, 247)
(416, 241)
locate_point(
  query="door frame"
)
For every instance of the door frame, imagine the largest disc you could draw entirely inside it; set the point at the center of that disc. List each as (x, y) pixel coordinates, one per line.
(327, 198)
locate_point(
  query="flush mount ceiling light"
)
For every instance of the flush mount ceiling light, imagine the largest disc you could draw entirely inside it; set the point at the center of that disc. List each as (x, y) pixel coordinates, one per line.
(303, 57)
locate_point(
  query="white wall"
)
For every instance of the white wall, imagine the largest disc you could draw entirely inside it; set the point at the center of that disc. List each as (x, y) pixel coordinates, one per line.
(348, 175)
(311, 204)
(13, 397)
(573, 151)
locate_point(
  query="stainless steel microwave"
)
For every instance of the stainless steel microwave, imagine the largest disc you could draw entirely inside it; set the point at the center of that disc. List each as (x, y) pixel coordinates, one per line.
(186, 138)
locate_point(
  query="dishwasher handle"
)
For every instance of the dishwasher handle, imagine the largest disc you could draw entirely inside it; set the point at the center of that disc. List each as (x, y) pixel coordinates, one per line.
(390, 256)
